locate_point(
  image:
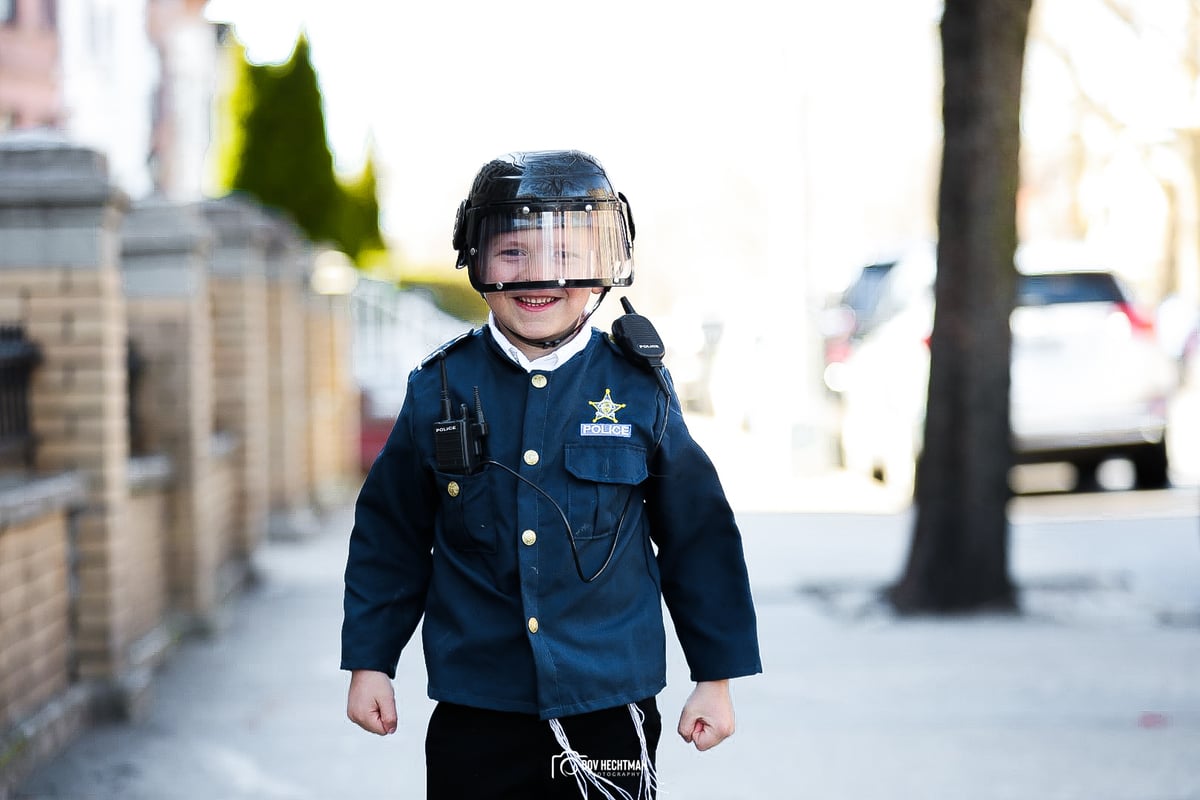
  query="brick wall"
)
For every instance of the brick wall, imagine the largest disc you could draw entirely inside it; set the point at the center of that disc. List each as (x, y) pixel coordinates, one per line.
(165, 252)
(223, 501)
(144, 603)
(288, 397)
(59, 219)
(287, 262)
(78, 404)
(334, 413)
(35, 635)
(245, 402)
(238, 296)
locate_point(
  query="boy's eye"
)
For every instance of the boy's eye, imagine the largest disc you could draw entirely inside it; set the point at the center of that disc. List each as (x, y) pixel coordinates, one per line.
(512, 252)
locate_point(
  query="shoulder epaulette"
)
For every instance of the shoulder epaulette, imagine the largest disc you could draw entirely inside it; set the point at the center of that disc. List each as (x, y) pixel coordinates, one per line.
(612, 342)
(446, 347)
(608, 338)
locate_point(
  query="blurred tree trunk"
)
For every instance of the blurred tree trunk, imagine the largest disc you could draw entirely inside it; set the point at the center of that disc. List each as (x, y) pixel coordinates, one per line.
(958, 558)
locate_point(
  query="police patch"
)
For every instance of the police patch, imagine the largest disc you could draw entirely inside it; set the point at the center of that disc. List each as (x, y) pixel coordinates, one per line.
(605, 429)
(606, 408)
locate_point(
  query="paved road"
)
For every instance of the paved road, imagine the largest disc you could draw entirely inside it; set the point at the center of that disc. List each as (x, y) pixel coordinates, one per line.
(1091, 694)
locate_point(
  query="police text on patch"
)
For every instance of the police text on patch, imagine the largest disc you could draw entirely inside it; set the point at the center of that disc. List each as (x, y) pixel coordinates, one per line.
(605, 429)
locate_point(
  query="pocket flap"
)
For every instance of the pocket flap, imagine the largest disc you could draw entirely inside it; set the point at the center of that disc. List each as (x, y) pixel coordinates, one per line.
(609, 464)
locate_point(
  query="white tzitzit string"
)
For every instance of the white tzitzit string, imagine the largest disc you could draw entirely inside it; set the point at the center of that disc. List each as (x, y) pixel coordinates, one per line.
(585, 777)
(582, 773)
(648, 783)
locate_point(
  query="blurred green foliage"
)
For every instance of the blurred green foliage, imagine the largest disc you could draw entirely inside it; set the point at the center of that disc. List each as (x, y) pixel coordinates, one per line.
(272, 145)
(455, 297)
(447, 286)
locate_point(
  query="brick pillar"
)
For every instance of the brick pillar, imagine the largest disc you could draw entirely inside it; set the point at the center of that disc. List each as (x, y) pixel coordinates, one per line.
(238, 293)
(334, 412)
(59, 232)
(289, 257)
(165, 252)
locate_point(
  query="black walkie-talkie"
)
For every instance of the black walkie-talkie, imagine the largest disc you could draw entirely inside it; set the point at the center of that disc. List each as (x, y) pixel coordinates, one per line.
(458, 444)
(636, 336)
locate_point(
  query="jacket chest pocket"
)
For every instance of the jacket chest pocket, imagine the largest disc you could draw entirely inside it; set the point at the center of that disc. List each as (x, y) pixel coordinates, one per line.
(602, 479)
(468, 519)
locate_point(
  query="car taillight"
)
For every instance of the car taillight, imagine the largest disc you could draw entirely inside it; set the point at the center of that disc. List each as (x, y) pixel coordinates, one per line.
(837, 351)
(1139, 324)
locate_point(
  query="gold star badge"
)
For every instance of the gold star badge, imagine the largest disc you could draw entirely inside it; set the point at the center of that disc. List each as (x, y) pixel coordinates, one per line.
(606, 408)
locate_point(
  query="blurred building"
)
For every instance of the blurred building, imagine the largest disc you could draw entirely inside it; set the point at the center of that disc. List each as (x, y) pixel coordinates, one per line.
(132, 79)
(174, 387)
(187, 47)
(30, 87)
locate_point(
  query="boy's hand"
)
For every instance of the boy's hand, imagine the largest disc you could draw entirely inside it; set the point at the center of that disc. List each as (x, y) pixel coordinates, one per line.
(372, 703)
(707, 717)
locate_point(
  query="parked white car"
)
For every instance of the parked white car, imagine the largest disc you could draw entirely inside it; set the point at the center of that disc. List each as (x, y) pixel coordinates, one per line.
(1090, 382)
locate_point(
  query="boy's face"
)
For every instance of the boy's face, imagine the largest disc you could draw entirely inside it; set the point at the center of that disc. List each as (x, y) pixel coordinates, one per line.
(524, 255)
(538, 314)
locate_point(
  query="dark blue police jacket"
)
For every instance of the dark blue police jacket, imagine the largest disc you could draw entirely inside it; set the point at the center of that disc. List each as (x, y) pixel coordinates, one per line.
(486, 558)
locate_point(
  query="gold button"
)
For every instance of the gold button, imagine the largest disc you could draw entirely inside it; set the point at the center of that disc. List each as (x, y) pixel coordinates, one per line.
(452, 488)
(531, 457)
(538, 381)
(529, 537)
(533, 625)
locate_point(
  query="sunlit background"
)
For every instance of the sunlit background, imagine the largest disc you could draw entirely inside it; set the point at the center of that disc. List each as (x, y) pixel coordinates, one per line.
(767, 154)
(771, 152)
(756, 185)
(809, 137)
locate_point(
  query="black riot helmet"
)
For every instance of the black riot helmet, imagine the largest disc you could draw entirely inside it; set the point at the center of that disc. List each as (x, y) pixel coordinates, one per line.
(544, 219)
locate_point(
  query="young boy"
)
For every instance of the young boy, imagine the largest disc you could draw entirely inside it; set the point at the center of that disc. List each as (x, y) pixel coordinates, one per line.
(537, 499)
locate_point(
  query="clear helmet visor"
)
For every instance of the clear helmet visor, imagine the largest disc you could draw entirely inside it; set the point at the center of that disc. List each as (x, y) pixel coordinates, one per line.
(523, 248)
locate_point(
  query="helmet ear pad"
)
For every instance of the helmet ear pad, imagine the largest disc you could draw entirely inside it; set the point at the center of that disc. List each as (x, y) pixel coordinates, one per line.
(628, 218)
(459, 239)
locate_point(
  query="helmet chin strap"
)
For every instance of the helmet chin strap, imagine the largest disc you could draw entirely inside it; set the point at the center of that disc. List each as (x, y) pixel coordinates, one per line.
(550, 344)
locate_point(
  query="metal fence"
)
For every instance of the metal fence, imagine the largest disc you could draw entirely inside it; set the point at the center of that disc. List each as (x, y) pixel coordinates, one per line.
(135, 367)
(18, 358)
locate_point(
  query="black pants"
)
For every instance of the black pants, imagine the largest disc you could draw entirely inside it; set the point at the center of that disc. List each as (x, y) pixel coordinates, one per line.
(475, 754)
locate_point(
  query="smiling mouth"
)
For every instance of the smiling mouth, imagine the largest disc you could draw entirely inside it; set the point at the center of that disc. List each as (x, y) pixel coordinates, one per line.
(536, 302)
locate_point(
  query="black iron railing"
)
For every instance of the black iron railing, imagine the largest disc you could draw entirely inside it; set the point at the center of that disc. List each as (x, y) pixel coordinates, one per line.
(135, 365)
(18, 358)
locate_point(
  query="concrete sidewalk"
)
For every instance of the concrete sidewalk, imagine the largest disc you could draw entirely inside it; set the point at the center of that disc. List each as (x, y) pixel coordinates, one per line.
(1094, 693)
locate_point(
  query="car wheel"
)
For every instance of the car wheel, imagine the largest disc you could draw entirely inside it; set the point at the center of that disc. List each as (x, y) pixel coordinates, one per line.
(1150, 466)
(1086, 479)
(899, 474)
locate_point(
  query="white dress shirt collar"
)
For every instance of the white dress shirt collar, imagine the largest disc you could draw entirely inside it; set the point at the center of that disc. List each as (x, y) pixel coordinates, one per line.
(547, 363)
